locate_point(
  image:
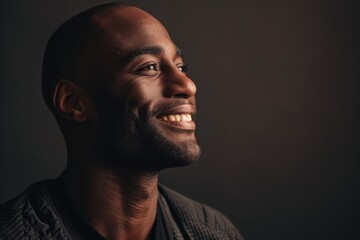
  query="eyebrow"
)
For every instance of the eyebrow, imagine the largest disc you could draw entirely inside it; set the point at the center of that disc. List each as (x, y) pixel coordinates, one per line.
(152, 50)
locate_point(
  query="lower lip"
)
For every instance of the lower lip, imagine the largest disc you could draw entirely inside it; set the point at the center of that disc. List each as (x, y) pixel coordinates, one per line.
(184, 125)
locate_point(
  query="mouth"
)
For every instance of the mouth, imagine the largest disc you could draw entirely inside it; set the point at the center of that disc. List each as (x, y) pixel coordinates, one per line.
(180, 117)
(177, 117)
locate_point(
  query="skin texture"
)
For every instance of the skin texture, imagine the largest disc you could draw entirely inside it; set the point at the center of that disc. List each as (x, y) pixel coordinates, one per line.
(117, 143)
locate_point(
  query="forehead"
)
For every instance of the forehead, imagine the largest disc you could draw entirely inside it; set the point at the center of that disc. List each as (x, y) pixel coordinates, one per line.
(129, 28)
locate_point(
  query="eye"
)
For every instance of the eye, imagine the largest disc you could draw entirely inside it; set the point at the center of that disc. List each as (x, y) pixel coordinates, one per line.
(183, 68)
(149, 69)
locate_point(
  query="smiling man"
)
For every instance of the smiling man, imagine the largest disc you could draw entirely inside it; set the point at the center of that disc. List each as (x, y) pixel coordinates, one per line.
(117, 86)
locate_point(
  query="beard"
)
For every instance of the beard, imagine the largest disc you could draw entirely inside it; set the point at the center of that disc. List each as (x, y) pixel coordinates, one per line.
(128, 141)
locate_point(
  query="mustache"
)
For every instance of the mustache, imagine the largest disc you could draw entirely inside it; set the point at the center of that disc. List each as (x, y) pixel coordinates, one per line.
(166, 106)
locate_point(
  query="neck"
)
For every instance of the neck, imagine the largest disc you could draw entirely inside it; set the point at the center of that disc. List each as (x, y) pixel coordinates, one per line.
(118, 205)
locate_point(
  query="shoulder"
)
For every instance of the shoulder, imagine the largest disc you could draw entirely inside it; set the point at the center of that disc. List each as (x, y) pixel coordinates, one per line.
(28, 215)
(11, 215)
(199, 220)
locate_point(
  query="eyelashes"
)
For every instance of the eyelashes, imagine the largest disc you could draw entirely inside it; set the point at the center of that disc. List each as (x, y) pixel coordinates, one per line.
(184, 68)
(150, 68)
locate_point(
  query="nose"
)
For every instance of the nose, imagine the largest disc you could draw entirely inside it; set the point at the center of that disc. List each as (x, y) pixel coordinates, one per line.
(178, 85)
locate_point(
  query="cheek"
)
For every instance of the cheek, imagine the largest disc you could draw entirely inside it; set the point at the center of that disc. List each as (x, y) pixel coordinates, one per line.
(143, 96)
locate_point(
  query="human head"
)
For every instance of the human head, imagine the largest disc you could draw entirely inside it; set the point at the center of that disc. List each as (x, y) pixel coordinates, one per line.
(110, 76)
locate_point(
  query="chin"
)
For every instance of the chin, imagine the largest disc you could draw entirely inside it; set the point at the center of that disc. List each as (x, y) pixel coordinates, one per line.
(146, 146)
(172, 155)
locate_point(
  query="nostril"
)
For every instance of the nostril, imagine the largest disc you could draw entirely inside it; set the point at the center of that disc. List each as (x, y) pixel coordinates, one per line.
(181, 95)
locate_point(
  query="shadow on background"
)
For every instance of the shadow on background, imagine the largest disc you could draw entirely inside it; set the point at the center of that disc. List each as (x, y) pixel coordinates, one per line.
(278, 109)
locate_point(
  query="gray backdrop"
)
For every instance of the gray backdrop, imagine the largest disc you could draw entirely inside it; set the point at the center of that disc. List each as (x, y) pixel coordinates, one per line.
(278, 109)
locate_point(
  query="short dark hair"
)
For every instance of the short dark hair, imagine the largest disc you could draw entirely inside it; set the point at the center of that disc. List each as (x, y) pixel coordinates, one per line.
(69, 49)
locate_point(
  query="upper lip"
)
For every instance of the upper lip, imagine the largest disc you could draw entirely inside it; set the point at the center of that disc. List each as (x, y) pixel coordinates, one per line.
(187, 108)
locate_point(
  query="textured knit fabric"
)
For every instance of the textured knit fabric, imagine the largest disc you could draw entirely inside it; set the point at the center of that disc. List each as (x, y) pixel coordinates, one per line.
(31, 216)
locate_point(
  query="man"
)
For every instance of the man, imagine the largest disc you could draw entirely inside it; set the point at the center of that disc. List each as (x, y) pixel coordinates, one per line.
(118, 88)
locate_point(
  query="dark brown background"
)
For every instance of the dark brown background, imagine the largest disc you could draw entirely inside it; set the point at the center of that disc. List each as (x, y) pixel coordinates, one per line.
(278, 105)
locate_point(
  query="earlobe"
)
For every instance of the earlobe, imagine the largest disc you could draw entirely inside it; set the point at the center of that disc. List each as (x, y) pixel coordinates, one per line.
(68, 101)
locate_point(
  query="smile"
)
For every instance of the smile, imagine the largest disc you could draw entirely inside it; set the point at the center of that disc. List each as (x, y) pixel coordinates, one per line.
(177, 118)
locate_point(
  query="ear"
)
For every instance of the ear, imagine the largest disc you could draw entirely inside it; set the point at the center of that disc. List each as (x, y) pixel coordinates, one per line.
(69, 101)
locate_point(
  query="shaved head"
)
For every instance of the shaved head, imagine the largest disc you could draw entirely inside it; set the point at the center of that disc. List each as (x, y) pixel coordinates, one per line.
(72, 48)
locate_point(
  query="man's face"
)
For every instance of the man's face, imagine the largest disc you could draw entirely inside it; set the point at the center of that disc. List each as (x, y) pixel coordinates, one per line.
(145, 102)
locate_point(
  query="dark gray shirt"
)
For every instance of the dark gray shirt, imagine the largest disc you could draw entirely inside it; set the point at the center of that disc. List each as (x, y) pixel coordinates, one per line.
(32, 215)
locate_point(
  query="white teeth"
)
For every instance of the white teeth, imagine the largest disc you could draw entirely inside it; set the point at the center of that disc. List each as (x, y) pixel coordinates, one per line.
(177, 118)
(186, 117)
